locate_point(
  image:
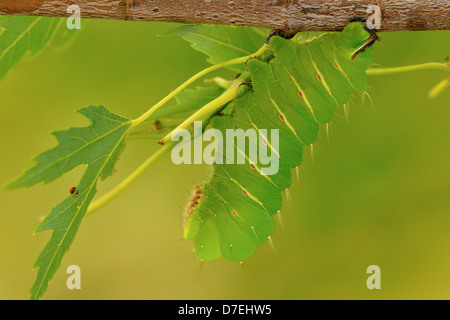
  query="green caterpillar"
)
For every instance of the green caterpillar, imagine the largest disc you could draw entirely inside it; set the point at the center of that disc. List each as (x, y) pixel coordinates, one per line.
(232, 213)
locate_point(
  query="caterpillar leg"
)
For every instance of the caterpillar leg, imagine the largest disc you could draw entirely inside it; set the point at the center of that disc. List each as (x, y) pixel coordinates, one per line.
(248, 84)
(357, 19)
(246, 62)
(281, 33)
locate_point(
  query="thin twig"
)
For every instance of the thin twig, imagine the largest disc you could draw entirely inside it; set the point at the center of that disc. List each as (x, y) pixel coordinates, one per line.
(288, 15)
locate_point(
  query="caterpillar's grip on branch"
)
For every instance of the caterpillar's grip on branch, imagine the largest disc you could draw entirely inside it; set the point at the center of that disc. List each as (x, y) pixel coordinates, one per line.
(369, 42)
(295, 92)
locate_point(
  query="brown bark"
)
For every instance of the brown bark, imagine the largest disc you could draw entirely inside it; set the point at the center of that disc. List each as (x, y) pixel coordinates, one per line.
(290, 15)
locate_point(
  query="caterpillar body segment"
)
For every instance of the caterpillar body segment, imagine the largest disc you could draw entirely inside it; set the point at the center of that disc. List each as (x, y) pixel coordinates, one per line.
(296, 92)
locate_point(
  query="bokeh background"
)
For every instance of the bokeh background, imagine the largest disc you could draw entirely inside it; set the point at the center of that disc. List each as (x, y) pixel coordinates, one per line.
(378, 191)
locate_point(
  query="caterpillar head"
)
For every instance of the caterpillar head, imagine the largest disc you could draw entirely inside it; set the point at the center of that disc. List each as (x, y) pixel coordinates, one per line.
(193, 203)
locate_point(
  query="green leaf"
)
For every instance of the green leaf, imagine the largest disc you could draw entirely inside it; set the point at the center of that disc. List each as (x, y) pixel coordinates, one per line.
(169, 117)
(21, 35)
(222, 43)
(187, 102)
(97, 146)
(294, 93)
(64, 37)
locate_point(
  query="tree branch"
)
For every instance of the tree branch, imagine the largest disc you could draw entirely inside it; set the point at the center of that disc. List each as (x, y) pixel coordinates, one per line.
(288, 15)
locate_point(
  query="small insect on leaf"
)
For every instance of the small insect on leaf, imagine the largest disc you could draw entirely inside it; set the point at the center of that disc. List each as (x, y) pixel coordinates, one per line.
(72, 190)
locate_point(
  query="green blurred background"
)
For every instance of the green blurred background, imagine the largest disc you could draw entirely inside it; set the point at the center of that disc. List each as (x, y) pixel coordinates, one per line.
(378, 191)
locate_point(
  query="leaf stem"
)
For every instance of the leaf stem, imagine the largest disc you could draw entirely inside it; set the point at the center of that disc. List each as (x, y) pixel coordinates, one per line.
(422, 66)
(227, 96)
(240, 60)
(210, 107)
(437, 89)
(221, 82)
(125, 184)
